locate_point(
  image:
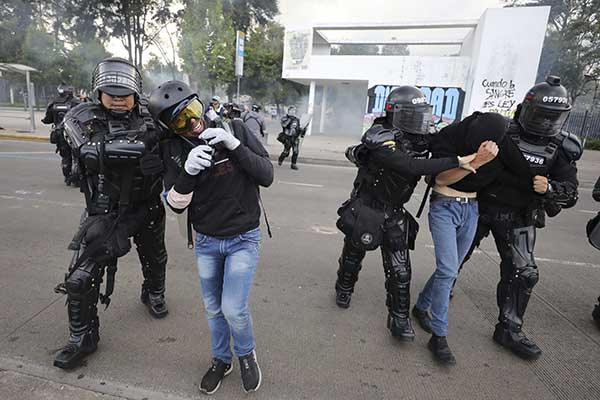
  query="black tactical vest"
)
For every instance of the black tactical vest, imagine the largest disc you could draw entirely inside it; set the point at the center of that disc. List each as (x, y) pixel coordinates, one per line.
(539, 156)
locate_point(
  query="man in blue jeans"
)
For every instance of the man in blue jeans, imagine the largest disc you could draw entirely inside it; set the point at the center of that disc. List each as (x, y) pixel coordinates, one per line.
(215, 174)
(453, 214)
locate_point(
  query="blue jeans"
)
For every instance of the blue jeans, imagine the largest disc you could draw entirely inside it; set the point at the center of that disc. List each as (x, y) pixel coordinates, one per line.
(226, 268)
(452, 225)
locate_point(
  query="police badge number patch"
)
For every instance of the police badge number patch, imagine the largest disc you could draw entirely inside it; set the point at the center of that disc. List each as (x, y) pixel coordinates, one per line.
(533, 159)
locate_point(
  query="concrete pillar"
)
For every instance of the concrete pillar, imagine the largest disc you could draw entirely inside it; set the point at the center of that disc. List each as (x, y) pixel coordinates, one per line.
(323, 109)
(30, 101)
(311, 105)
(12, 96)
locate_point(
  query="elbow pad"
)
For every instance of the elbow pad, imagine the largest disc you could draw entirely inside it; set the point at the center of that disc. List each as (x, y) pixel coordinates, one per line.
(563, 194)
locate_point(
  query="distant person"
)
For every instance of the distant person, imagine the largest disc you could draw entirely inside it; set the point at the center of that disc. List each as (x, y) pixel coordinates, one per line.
(255, 122)
(290, 137)
(216, 106)
(55, 114)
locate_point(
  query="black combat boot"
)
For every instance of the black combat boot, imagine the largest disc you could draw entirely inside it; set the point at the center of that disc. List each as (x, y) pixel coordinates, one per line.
(294, 167)
(344, 287)
(401, 327)
(83, 327)
(596, 313)
(155, 301)
(441, 351)
(280, 159)
(516, 341)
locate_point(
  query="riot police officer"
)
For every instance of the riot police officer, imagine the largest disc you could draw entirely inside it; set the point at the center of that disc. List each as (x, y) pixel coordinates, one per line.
(538, 178)
(55, 113)
(290, 136)
(594, 238)
(116, 142)
(391, 158)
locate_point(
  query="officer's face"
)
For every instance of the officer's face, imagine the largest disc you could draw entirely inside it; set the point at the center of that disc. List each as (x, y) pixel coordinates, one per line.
(119, 103)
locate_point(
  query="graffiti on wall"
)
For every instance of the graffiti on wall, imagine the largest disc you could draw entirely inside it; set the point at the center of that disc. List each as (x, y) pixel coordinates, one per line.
(447, 102)
(499, 96)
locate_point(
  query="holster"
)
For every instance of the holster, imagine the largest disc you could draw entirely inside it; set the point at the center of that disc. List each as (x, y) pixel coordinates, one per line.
(362, 224)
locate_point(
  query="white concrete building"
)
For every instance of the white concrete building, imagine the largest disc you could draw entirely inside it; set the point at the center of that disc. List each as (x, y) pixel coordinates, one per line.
(462, 66)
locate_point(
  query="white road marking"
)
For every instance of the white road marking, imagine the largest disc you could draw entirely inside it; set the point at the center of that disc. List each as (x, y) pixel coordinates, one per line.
(26, 152)
(300, 184)
(551, 260)
(588, 211)
(58, 203)
(324, 230)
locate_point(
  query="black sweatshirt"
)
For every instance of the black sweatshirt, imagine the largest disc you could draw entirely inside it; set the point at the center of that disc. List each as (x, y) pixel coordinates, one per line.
(225, 198)
(464, 138)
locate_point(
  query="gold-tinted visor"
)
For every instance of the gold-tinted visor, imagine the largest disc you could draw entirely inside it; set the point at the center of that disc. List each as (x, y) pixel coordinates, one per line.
(182, 114)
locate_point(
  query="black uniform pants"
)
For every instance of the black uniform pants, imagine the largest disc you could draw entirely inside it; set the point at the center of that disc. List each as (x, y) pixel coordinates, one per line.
(515, 241)
(83, 284)
(66, 155)
(291, 143)
(397, 269)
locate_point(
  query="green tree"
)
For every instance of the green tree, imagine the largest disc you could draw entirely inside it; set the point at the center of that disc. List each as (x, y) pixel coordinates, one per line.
(263, 65)
(355, 50)
(572, 45)
(205, 45)
(394, 50)
(248, 13)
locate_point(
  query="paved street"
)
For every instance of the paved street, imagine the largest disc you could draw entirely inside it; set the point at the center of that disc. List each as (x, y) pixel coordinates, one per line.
(307, 347)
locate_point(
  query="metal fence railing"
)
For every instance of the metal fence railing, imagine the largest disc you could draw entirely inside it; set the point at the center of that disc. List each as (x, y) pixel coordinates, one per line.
(584, 124)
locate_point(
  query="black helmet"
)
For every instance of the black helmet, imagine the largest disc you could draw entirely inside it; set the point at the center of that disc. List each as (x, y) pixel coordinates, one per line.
(406, 109)
(65, 90)
(117, 77)
(233, 110)
(545, 108)
(168, 95)
(256, 107)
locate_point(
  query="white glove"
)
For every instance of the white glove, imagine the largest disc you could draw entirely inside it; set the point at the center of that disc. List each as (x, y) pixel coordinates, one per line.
(220, 135)
(199, 159)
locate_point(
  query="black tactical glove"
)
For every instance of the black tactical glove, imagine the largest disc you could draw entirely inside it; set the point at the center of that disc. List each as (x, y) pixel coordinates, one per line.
(151, 164)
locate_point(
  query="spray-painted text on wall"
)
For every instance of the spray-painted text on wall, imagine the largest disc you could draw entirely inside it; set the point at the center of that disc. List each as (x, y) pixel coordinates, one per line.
(447, 102)
(499, 96)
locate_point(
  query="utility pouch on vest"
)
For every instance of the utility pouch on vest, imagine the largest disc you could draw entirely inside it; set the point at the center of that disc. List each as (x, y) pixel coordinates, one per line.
(361, 223)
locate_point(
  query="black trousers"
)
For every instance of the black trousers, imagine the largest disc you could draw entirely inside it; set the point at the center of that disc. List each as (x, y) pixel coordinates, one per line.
(397, 269)
(83, 284)
(518, 271)
(292, 144)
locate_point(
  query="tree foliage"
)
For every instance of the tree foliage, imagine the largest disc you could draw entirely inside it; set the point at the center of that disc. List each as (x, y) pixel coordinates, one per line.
(572, 45)
(245, 14)
(205, 44)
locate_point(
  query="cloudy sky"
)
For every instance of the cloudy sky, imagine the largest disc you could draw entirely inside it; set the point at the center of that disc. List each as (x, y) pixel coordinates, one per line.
(300, 12)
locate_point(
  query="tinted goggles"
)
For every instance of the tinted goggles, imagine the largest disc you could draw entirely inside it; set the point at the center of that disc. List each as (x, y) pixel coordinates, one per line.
(182, 114)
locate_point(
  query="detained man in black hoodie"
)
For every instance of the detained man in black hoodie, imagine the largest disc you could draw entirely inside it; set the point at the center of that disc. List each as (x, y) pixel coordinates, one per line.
(453, 216)
(215, 174)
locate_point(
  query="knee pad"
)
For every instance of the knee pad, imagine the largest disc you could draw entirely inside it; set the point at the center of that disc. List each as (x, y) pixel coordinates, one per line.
(529, 276)
(79, 282)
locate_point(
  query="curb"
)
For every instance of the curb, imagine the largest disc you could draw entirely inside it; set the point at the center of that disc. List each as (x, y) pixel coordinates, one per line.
(24, 136)
(272, 157)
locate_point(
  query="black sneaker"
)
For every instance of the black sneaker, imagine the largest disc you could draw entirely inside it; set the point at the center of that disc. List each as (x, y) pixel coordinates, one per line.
(423, 319)
(213, 377)
(251, 375)
(441, 352)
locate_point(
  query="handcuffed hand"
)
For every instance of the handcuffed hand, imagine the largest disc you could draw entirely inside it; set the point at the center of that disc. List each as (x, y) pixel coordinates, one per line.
(540, 184)
(199, 159)
(465, 162)
(487, 151)
(220, 135)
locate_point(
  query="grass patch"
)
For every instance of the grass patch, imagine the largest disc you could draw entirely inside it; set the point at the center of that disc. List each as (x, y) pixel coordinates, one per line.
(592, 144)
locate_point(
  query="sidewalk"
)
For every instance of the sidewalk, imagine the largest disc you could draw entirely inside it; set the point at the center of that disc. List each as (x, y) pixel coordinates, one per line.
(315, 149)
